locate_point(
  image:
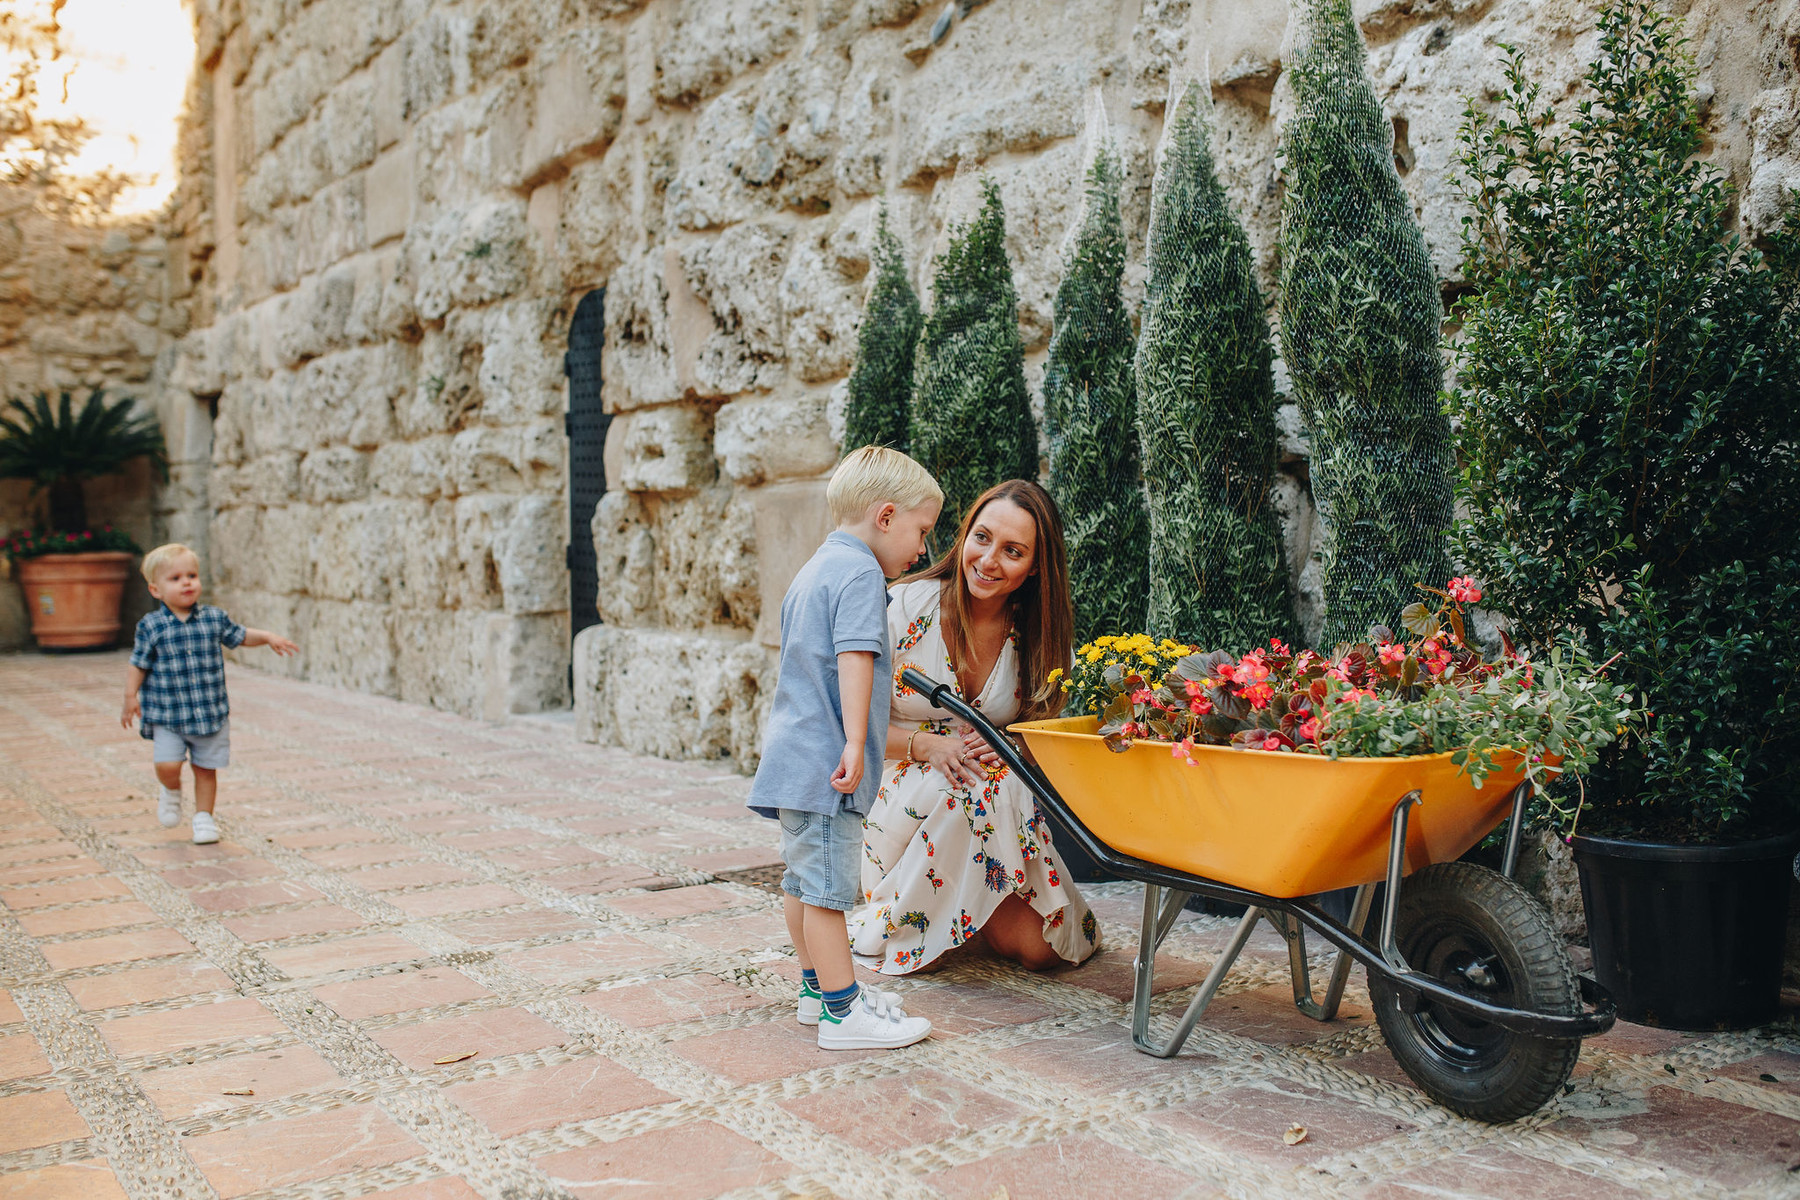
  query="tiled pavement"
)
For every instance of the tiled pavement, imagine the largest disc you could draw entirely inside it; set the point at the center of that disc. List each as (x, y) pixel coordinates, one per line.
(434, 958)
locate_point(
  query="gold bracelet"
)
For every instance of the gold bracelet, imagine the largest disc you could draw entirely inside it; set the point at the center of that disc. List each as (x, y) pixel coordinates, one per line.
(909, 746)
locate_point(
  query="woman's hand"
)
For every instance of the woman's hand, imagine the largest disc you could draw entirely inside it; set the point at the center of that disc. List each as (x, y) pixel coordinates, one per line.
(946, 754)
(976, 748)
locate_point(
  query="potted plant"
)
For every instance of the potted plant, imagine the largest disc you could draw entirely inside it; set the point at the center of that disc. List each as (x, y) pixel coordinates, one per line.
(1628, 404)
(73, 576)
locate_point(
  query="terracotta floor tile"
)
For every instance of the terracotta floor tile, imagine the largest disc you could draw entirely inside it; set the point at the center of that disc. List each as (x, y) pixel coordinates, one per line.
(398, 993)
(883, 1115)
(1073, 1168)
(445, 1187)
(92, 1179)
(114, 948)
(1250, 1121)
(688, 1162)
(267, 927)
(1097, 1061)
(1268, 1015)
(741, 859)
(1495, 1173)
(676, 902)
(38, 851)
(45, 872)
(612, 877)
(405, 875)
(135, 985)
(254, 895)
(84, 918)
(566, 962)
(760, 1052)
(960, 1008)
(1772, 1070)
(9, 1011)
(515, 926)
(363, 854)
(190, 1091)
(1731, 1145)
(63, 893)
(485, 1034)
(180, 853)
(666, 1001)
(20, 1057)
(548, 1096)
(545, 856)
(329, 835)
(297, 1149)
(38, 1119)
(198, 1025)
(343, 954)
(443, 901)
(232, 870)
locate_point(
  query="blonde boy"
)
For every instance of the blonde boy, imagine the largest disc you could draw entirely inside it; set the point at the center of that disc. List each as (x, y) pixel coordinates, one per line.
(828, 729)
(177, 665)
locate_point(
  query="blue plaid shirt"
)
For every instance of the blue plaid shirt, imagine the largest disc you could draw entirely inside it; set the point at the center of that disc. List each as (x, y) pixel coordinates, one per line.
(185, 689)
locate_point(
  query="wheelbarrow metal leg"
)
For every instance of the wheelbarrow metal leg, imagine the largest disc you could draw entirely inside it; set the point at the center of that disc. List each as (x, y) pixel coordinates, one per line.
(1294, 930)
(1516, 829)
(1161, 907)
(1140, 1015)
(1396, 866)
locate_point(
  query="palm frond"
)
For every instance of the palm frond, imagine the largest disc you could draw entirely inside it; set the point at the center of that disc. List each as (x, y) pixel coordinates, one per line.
(45, 444)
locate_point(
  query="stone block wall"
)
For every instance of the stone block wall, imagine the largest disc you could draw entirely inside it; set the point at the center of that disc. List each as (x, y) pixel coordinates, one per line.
(389, 211)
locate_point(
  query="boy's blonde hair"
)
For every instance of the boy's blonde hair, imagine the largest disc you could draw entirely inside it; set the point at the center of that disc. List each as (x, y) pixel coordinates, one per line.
(877, 475)
(162, 556)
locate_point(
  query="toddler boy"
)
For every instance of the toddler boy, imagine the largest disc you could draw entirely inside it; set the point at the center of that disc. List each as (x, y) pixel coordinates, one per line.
(177, 664)
(827, 734)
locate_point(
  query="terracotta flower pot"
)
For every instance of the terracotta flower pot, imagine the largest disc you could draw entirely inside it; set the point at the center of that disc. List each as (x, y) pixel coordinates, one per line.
(74, 598)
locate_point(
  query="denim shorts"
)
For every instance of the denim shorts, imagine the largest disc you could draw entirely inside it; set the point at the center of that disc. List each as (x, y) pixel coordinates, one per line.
(823, 853)
(210, 751)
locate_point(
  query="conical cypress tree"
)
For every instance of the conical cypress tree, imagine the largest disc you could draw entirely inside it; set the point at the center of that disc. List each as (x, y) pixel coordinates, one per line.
(1090, 403)
(1360, 320)
(1206, 408)
(881, 381)
(971, 421)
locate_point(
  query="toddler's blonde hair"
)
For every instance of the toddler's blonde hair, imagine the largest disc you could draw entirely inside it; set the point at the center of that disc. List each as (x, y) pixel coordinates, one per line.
(162, 556)
(877, 475)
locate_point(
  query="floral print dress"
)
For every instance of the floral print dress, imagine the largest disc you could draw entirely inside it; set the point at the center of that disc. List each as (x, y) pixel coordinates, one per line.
(938, 858)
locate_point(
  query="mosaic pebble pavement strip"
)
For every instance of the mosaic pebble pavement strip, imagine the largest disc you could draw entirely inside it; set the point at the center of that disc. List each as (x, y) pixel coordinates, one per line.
(434, 958)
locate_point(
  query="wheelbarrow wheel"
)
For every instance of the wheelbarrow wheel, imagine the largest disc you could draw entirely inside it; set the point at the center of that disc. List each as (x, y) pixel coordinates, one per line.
(1482, 934)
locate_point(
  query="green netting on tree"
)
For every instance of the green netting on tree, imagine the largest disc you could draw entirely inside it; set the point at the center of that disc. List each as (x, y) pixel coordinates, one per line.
(1206, 409)
(1090, 403)
(971, 415)
(1360, 318)
(881, 381)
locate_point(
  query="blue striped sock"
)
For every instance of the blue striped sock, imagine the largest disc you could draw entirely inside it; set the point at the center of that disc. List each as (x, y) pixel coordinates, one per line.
(839, 1002)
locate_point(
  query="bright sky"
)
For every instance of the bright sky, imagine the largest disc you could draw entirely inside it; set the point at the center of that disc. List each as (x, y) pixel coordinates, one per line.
(128, 79)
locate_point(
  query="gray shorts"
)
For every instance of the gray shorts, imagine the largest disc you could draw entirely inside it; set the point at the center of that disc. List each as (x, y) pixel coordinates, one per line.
(210, 751)
(823, 853)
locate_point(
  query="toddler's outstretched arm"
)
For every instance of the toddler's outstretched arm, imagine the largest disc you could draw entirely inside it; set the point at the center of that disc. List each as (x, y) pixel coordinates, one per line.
(274, 641)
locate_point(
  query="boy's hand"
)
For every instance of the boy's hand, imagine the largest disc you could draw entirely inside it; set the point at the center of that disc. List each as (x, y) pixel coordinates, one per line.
(131, 711)
(282, 646)
(849, 771)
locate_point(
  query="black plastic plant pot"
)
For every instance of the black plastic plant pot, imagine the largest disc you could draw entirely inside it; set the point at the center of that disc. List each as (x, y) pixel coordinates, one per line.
(1688, 937)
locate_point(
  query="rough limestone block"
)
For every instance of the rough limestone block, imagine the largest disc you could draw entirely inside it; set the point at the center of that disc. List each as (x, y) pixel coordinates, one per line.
(532, 669)
(440, 658)
(545, 454)
(821, 308)
(791, 522)
(335, 473)
(284, 546)
(672, 694)
(521, 366)
(351, 645)
(530, 554)
(347, 126)
(578, 98)
(1774, 155)
(706, 562)
(594, 229)
(480, 523)
(427, 73)
(759, 440)
(667, 449)
(237, 558)
(865, 120)
(310, 321)
(422, 573)
(374, 274)
(469, 256)
(289, 615)
(737, 275)
(639, 366)
(707, 43)
(486, 459)
(420, 468)
(350, 395)
(388, 194)
(447, 394)
(272, 478)
(350, 551)
(625, 559)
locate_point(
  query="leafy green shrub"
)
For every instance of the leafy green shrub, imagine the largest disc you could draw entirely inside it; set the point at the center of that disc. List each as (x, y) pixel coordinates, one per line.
(1090, 401)
(1206, 409)
(881, 382)
(1360, 322)
(1628, 394)
(58, 449)
(971, 421)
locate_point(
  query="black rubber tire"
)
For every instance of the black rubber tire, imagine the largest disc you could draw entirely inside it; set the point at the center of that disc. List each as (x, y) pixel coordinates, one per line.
(1453, 915)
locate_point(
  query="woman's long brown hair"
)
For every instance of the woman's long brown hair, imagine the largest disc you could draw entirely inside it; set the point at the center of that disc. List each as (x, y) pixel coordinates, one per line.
(1042, 613)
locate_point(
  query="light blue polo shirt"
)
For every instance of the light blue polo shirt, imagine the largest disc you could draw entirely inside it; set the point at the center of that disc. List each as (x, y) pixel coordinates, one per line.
(837, 603)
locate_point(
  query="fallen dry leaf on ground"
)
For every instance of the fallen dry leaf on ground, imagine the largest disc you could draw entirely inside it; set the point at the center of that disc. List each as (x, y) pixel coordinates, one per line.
(1296, 1133)
(238, 1092)
(453, 1058)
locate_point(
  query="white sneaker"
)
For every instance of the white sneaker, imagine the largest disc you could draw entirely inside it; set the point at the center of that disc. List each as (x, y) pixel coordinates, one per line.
(168, 809)
(206, 831)
(871, 1024)
(812, 1004)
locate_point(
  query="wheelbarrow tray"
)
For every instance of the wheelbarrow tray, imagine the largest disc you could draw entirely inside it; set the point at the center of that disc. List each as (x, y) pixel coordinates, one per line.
(1281, 824)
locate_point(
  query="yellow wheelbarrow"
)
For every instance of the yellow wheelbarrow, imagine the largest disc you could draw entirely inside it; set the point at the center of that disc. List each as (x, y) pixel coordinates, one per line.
(1472, 988)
